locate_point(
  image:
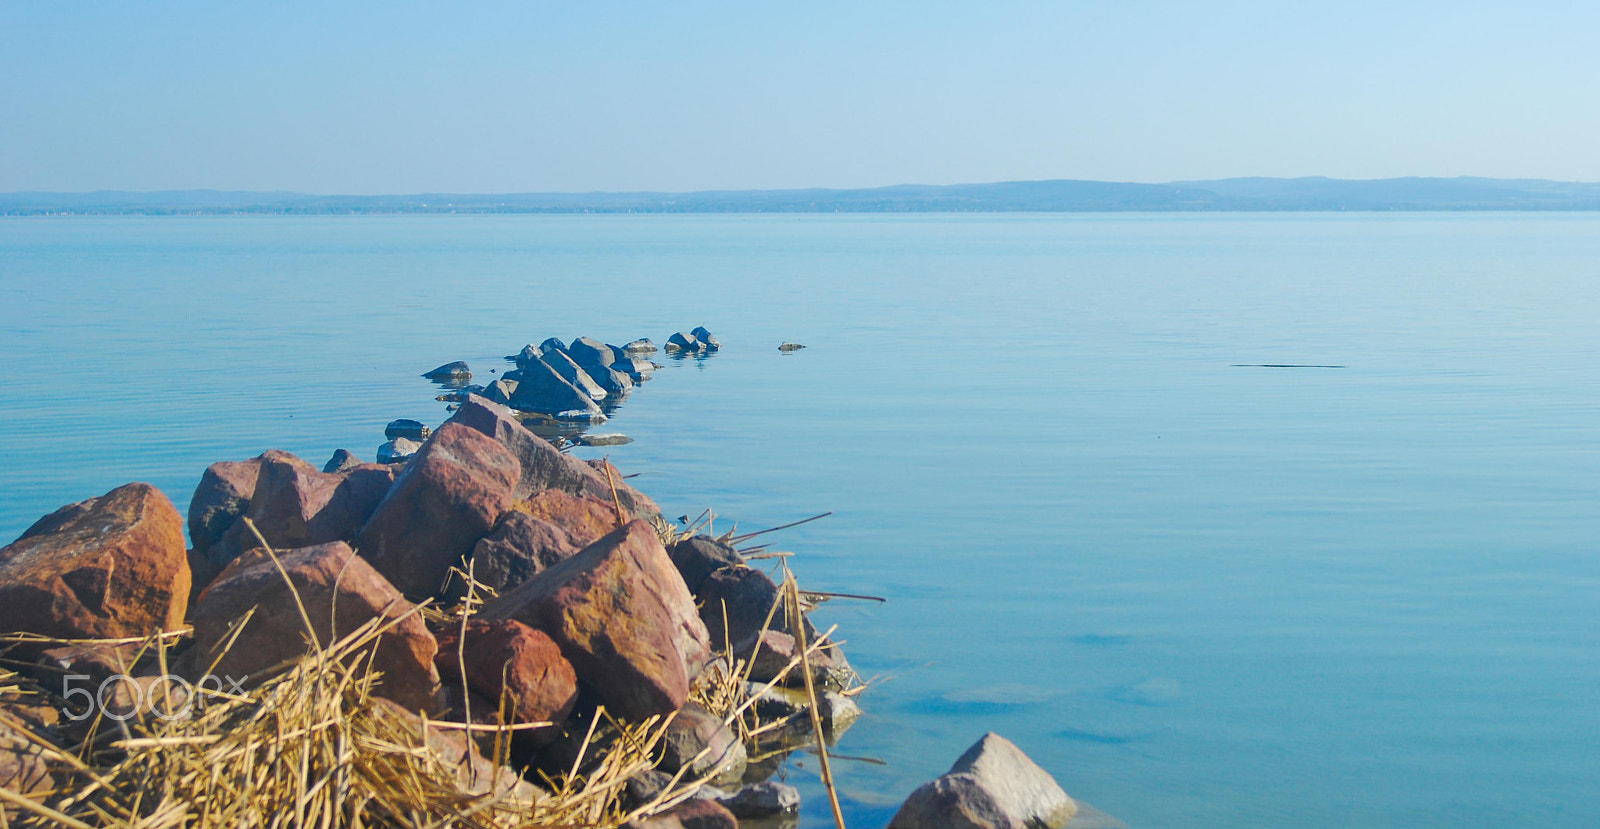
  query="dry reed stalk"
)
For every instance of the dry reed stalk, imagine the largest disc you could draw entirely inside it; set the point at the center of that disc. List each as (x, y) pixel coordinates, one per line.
(797, 625)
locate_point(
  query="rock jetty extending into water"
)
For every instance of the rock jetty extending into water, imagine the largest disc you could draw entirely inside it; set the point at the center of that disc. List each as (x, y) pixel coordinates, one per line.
(515, 623)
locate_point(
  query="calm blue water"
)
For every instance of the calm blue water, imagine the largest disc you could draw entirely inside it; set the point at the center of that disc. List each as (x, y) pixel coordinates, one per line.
(1200, 595)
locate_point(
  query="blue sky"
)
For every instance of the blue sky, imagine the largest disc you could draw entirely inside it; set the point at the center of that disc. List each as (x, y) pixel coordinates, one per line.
(500, 97)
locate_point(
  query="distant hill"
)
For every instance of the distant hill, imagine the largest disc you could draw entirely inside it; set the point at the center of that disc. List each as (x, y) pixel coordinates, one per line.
(1058, 196)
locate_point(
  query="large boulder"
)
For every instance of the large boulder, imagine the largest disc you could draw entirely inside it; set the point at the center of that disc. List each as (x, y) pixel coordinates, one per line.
(293, 505)
(571, 373)
(447, 498)
(585, 518)
(622, 617)
(109, 567)
(339, 591)
(542, 389)
(587, 351)
(632, 499)
(222, 496)
(993, 786)
(507, 659)
(519, 547)
(700, 556)
(544, 466)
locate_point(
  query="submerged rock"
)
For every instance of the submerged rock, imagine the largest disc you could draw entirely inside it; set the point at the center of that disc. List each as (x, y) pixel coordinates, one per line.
(607, 439)
(407, 428)
(790, 347)
(397, 450)
(681, 343)
(993, 785)
(542, 389)
(107, 567)
(643, 345)
(712, 343)
(457, 370)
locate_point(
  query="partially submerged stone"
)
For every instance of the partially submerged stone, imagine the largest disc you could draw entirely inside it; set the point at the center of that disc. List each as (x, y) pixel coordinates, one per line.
(457, 370)
(108, 567)
(790, 347)
(993, 786)
(763, 799)
(607, 439)
(587, 351)
(447, 498)
(339, 591)
(500, 391)
(397, 450)
(407, 428)
(542, 389)
(712, 343)
(573, 374)
(681, 343)
(643, 345)
(622, 617)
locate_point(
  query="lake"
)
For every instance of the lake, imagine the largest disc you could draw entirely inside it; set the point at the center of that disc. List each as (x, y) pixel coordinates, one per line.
(1199, 591)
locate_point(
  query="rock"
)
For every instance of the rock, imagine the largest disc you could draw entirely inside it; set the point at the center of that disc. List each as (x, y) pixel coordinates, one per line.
(543, 466)
(108, 567)
(397, 450)
(692, 814)
(475, 775)
(341, 461)
(681, 343)
(529, 353)
(98, 662)
(993, 785)
(762, 799)
(551, 346)
(622, 617)
(585, 519)
(24, 767)
(519, 547)
(447, 498)
(699, 557)
(581, 416)
(500, 391)
(769, 653)
(542, 389)
(638, 370)
(407, 428)
(632, 499)
(586, 351)
(456, 395)
(712, 343)
(616, 383)
(508, 659)
(698, 741)
(643, 345)
(571, 373)
(609, 439)
(222, 496)
(837, 711)
(339, 591)
(294, 505)
(748, 596)
(645, 787)
(790, 347)
(450, 371)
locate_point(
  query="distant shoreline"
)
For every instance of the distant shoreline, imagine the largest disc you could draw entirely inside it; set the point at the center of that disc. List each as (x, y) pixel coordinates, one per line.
(1296, 195)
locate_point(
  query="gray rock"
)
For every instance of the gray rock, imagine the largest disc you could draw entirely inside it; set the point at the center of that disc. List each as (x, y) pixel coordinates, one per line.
(993, 785)
(837, 711)
(637, 368)
(397, 450)
(341, 460)
(698, 741)
(640, 346)
(608, 439)
(500, 391)
(790, 347)
(616, 383)
(528, 354)
(681, 343)
(541, 389)
(761, 800)
(700, 333)
(552, 345)
(458, 395)
(573, 374)
(700, 556)
(587, 351)
(581, 416)
(450, 371)
(406, 428)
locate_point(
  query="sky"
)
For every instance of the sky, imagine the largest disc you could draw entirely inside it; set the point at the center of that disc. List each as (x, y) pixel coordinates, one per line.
(487, 97)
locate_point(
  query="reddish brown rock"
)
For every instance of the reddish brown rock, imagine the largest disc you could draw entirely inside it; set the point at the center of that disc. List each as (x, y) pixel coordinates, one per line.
(518, 547)
(744, 596)
(543, 466)
(447, 498)
(623, 618)
(105, 568)
(505, 658)
(693, 814)
(294, 505)
(632, 499)
(222, 496)
(772, 651)
(340, 592)
(585, 519)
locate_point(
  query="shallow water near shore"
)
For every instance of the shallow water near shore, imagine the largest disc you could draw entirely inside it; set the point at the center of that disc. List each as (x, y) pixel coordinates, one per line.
(1200, 593)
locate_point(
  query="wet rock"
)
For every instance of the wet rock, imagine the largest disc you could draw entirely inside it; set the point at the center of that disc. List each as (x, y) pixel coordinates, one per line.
(456, 395)
(698, 741)
(993, 785)
(24, 767)
(622, 617)
(294, 505)
(507, 659)
(339, 591)
(638, 370)
(543, 466)
(693, 814)
(447, 498)
(457, 370)
(585, 519)
(500, 391)
(398, 450)
(762, 799)
(701, 556)
(609, 439)
(681, 343)
(222, 496)
(571, 373)
(643, 345)
(837, 711)
(790, 347)
(519, 546)
(407, 428)
(108, 567)
(542, 389)
(341, 461)
(712, 343)
(587, 351)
